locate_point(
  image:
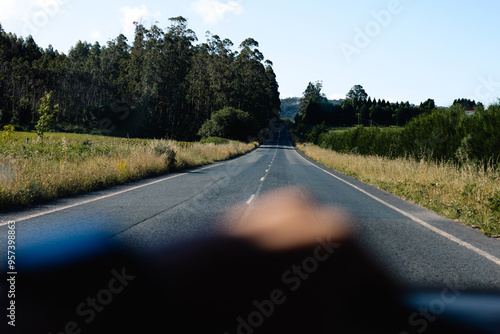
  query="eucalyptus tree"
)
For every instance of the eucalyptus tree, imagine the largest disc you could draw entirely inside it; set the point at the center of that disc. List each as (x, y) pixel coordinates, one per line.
(357, 96)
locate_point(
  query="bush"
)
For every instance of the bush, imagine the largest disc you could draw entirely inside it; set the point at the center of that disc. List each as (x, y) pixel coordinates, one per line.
(443, 135)
(317, 130)
(8, 131)
(161, 148)
(482, 136)
(363, 140)
(229, 123)
(435, 135)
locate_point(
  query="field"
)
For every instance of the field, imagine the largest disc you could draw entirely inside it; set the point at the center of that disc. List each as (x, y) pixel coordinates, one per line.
(467, 193)
(32, 171)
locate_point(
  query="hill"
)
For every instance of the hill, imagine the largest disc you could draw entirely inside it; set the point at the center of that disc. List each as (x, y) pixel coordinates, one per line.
(290, 106)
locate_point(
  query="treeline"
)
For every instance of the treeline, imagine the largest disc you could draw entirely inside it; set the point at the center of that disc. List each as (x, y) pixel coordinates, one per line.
(426, 131)
(443, 135)
(360, 108)
(161, 85)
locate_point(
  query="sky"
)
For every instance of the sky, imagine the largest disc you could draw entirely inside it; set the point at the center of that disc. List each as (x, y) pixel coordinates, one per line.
(398, 50)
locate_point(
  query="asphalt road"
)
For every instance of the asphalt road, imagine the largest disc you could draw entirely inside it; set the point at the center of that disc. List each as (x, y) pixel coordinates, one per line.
(414, 245)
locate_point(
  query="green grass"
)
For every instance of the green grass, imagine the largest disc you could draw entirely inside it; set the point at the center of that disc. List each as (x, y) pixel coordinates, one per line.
(65, 164)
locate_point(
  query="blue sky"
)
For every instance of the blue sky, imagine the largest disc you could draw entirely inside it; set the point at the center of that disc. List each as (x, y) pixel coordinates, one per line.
(398, 50)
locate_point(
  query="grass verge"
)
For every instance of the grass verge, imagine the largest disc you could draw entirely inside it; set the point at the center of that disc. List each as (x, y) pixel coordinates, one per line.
(468, 194)
(64, 164)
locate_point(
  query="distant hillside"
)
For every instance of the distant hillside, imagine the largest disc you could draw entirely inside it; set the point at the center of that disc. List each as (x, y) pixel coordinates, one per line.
(290, 106)
(334, 102)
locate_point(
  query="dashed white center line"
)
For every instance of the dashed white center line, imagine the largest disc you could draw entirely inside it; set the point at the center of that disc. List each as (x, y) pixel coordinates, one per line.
(250, 200)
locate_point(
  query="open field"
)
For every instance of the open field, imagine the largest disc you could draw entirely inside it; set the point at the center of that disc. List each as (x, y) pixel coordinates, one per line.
(68, 164)
(469, 194)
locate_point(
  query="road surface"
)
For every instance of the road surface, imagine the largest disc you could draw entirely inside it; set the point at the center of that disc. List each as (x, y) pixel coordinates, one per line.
(414, 245)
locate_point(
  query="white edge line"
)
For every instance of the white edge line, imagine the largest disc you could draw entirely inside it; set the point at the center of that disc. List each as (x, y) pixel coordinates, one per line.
(250, 200)
(90, 200)
(117, 193)
(415, 219)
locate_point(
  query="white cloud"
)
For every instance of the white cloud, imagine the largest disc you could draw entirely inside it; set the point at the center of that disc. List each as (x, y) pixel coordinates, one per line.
(131, 15)
(214, 11)
(28, 9)
(31, 16)
(335, 96)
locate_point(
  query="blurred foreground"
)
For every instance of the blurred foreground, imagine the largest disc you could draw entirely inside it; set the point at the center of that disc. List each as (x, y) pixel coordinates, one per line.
(286, 264)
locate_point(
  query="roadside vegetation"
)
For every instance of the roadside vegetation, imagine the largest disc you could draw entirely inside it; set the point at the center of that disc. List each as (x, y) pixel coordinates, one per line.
(32, 171)
(163, 83)
(445, 159)
(443, 135)
(466, 193)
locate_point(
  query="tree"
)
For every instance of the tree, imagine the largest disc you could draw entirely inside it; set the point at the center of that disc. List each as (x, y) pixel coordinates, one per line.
(273, 90)
(348, 114)
(249, 50)
(364, 114)
(466, 103)
(47, 112)
(405, 113)
(357, 96)
(255, 86)
(428, 105)
(177, 61)
(229, 123)
(381, 115)
(161, 86)
(312, 94)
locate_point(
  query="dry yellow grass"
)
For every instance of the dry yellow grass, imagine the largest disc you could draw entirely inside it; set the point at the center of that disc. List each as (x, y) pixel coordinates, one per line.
(468, 194)
(69, 164)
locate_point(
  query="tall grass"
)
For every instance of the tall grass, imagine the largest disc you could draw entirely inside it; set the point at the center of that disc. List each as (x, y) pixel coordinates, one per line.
(467, 193)
(69, 164)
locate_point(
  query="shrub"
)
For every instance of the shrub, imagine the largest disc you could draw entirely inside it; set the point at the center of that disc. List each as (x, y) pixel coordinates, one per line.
(317, 130)
(229, 123)
(443, 135)
(8, 131)
(47, 113)
(162, 148)
(435, 135)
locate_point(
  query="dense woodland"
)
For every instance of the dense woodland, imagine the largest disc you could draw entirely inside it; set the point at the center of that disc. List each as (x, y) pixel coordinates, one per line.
(164, 84)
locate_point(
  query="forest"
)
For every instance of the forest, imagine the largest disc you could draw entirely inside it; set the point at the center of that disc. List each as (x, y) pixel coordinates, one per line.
(163, 84)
